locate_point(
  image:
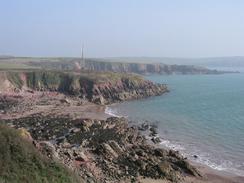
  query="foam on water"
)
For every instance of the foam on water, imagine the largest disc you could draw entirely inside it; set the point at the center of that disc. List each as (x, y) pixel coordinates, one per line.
(111, 112)
(204, 158)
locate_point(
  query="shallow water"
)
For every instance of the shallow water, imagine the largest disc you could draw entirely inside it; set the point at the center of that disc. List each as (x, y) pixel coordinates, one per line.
(202, 115)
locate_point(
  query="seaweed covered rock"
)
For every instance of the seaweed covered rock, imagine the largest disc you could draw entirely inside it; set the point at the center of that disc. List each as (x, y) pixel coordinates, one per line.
(106, 150)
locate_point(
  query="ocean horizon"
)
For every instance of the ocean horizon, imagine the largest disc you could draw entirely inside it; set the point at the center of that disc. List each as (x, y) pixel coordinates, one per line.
(202, 115)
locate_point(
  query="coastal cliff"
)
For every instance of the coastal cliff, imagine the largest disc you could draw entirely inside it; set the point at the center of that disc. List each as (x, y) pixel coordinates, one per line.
(146, 68)
(100, 88)
(112, 65)
(120, 67)
(50, 109)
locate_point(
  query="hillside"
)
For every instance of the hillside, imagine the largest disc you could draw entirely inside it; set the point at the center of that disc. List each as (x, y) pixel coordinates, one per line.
(21, 162)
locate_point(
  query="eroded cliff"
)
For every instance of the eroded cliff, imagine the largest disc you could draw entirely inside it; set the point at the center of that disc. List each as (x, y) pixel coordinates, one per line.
(97, 87)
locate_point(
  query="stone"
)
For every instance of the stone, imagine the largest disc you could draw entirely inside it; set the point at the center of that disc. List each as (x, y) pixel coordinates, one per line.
(160, 152)
(195, 156)
(48, 149)
(66, 145)
(144, 127)
(109, 151)
(175, 154)
(75, 130)
(116, 147)
(99, 100)
(156, 140)
(66, 101)
(187, 168)
(153, 131)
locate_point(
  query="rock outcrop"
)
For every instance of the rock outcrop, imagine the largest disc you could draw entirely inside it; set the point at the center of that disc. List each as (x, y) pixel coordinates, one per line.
(101, 88)
(104, 150)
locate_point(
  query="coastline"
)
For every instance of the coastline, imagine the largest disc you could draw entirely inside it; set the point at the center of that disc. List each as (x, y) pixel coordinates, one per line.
(210, 174)
(213, 175)
(62, 106)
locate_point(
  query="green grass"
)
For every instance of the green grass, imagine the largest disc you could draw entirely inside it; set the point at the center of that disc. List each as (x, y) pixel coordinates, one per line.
(43, 79)
(20, 162)
(100, 77)
(14, 78)
(12, 65)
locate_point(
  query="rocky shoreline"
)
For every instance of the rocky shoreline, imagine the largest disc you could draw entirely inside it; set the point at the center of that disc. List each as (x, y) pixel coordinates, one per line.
(103, 150)
(98, 150)
(73, 130)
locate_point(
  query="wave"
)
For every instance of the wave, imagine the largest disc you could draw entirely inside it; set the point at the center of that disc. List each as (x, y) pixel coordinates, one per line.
(111, 112)
(172, 146)
(223, 165)
(204, 158)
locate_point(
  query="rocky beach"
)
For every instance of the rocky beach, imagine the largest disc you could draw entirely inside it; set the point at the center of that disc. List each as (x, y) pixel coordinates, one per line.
(121, 91)
(70, 126)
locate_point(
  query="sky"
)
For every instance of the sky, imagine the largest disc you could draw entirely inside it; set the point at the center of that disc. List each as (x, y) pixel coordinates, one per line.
(122, 28)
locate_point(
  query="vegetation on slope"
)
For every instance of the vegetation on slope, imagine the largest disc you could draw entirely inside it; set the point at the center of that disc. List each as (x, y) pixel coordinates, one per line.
(42, 79)
(15, 79)
(65, 81)
(21, 162)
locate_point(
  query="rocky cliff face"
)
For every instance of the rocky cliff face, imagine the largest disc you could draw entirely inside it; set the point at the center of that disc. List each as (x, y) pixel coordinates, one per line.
(101, 88)
(122, 67)
(125, 89)
(143, 68)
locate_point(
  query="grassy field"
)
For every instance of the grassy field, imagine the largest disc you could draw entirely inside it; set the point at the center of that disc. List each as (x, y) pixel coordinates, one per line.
(12, 65)
(50, 63)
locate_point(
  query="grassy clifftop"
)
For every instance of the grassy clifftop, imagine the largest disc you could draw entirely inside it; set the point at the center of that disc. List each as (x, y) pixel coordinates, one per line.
(21, 162)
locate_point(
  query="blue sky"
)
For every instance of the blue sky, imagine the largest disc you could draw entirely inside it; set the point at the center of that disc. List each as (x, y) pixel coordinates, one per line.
(159, 28)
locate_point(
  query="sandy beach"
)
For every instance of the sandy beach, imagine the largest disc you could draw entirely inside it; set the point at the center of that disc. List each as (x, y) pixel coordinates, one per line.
(54, 104)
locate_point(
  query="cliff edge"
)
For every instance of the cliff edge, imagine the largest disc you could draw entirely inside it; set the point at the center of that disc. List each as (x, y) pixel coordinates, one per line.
(97, 87)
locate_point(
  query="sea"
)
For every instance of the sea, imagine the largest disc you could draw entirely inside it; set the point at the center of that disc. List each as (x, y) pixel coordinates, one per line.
(202, 115)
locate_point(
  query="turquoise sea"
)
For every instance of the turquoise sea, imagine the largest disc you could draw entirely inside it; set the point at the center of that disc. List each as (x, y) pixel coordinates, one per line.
(202, 115)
